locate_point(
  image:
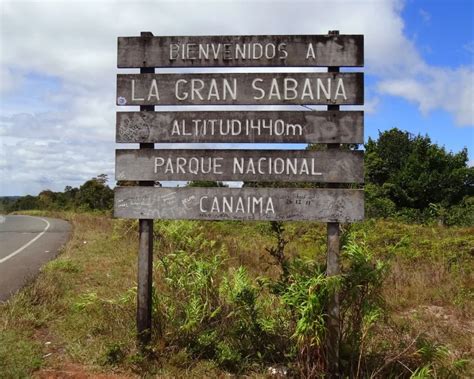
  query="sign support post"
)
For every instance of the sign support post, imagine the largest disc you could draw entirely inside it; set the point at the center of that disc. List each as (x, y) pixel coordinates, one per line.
(333, 268)
(145, 253)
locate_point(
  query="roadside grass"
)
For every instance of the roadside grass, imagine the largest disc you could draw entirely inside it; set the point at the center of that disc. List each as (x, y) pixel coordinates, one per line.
(74, 311)
(81, 308)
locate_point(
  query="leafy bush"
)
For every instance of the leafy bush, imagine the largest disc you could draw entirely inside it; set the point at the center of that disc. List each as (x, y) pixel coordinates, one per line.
(406, 175)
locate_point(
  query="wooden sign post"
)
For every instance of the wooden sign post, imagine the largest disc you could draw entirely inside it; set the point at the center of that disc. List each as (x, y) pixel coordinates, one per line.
(333, 268)
(335, 166)
(145, 252)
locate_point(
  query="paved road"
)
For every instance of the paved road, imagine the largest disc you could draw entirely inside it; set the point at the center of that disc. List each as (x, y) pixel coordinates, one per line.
(27, 243)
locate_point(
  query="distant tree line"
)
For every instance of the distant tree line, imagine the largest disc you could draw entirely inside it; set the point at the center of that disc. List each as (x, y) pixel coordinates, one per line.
(94, 194)
(406, 176)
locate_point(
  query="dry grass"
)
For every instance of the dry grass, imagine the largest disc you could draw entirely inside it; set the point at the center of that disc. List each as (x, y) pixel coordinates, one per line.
(73, 312)
(80, 312)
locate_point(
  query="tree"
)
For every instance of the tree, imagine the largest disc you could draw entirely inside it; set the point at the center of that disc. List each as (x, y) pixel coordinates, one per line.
(46, 199)
(95, 194)
(25, 202)
(412, 172)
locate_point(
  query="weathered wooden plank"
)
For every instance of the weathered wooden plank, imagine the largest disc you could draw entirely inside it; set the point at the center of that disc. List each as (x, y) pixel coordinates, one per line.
(240, 127)
(241, 89)
(245, 51)
(328, 205)
(336, 166)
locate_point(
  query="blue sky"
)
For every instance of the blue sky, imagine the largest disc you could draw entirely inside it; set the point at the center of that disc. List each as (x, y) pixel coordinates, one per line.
(58, 67)
(443, 32)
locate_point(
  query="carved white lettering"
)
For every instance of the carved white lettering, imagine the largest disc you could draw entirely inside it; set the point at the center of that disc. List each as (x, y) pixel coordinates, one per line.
(196, 86)
(213, 91)
(307, 90)
(275, 166)
(240, 206)
(270, 51)
(274, 90)
(204, 51)
(174, 51)
(201, 204)
(158, 163)
(134, 97)
(175, 131)
(236, 204)
(255, 87)
(290, 87)
(234, 127)
(340, 91)
(227, 51)
(282, 50)
(310, 52)
(326, 90)
(270, 208)
(177, 92)
(215, 205)
(232, 90)
(257, 51)
(198, 89)
(191, 51)
(193, 165)
(153, 92)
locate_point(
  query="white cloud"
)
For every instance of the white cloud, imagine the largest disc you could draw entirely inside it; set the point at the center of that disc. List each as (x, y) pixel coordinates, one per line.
(74, 43)
(436, 88)
(50, 164)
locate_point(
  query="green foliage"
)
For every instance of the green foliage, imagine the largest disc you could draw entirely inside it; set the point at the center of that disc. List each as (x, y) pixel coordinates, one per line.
(410, 172)
(64, 265)
(437, 360)
(182, 235)
(19, 356)
(461, 214)
(22, 203)
(221, 303)
(421, 373)
(376, 203)
(6, 203)
(210, 312)
(224, 315)
(93, 195)
(212, 316)
(362, 305)
(278, 251)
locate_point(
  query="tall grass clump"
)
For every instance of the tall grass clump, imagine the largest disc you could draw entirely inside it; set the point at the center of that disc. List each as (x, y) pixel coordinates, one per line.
(210, 310)
(305, 292)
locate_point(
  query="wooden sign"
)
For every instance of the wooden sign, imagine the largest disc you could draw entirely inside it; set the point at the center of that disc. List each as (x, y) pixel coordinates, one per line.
(241, 89)
(333, 127)
(240, 127)
(328, 205)
(242, 51)
(332, 166)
